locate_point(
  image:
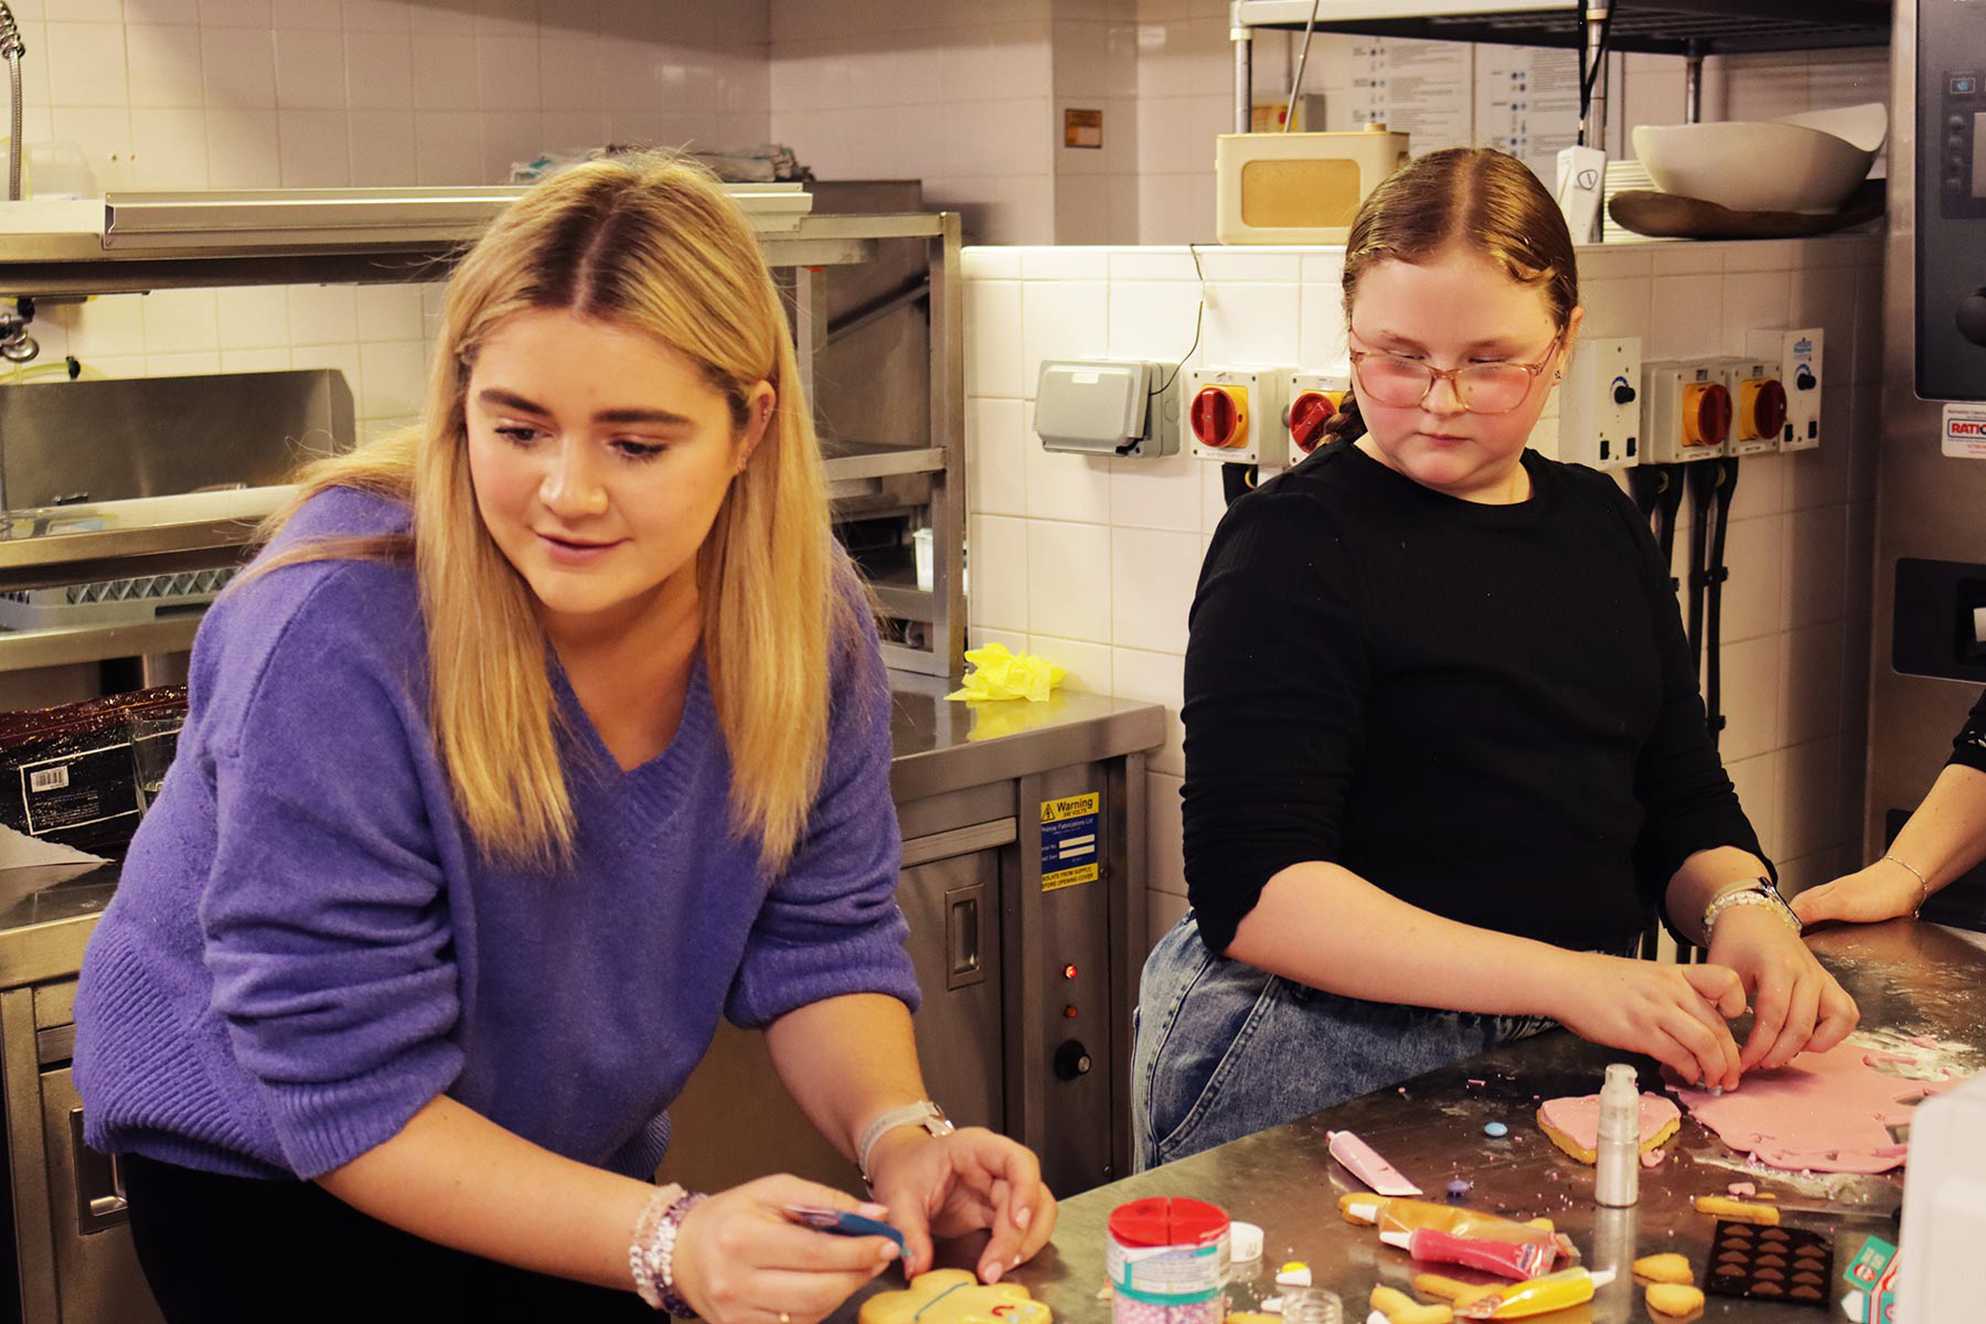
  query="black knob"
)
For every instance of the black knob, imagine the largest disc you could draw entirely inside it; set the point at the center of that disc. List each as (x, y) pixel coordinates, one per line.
(1072, 1060)
(1623, 393)
(1972, 316)
(1803, 378)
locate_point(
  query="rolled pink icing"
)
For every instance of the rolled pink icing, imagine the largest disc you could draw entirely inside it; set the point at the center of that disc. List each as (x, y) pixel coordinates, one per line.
(1578, 1116)
(1821, 1112)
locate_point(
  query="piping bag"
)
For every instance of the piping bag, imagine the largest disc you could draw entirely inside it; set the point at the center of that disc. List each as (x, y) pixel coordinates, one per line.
(1567, 1287)
(1358, 1207)
(1506, 1259)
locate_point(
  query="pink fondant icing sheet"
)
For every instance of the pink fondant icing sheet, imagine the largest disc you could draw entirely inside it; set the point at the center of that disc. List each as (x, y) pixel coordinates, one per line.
(1821, 1112)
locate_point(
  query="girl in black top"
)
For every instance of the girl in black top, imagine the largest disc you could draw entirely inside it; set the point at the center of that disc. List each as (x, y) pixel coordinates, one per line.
(1444, 746)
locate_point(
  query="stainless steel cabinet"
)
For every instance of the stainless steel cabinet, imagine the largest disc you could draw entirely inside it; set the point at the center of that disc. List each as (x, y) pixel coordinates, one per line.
(952, 902)
(76, 1262)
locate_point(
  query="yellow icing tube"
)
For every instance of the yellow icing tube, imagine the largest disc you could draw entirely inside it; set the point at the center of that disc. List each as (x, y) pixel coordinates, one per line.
(1554, 1291)
(1741, 1211)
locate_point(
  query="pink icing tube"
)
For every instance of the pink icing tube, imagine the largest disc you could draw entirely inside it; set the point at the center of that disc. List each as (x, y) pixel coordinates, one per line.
(1506, 1259)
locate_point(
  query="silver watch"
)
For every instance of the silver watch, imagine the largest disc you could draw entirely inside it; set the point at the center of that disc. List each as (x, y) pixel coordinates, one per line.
(923, 1113)
(1762, 892)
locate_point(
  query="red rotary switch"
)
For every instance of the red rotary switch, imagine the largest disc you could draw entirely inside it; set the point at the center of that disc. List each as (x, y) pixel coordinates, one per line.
(1706, 414)
(1768, 409)
(1309, 412)
(1219, 416)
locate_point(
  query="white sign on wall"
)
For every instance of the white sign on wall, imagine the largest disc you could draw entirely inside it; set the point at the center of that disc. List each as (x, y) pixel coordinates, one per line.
(1964, 431)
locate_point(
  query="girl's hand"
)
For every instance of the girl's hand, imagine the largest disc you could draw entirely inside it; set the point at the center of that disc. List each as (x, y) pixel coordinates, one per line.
(1675, 1014)
(739, 1261)
(1882, 891)
(1796, 1003)
(946, 1186)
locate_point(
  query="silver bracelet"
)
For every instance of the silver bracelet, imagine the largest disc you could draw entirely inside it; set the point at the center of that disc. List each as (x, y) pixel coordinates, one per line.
(1923, 884)
(1761, 893)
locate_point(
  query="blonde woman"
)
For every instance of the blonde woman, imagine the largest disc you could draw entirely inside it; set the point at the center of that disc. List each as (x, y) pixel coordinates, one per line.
(538, 738)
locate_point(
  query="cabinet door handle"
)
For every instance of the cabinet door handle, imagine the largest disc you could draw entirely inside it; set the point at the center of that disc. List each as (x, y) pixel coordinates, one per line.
(100, 1200)
(963, 965)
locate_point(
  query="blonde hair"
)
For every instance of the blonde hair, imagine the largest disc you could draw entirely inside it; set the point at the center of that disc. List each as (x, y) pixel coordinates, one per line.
(654, 244)
(1476, 198)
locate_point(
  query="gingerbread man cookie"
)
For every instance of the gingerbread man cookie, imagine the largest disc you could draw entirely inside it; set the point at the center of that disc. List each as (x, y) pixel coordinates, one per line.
(954, 1296)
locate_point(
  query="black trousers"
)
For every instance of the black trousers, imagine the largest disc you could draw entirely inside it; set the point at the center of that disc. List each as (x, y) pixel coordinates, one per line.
(231, 1250)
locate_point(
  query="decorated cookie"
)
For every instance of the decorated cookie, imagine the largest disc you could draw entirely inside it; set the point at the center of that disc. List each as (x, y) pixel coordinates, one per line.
(955, 1296)
(1573, 1124)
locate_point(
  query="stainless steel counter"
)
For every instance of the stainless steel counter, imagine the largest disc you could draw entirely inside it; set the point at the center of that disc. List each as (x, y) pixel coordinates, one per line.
(943, 746)
(1908, 978)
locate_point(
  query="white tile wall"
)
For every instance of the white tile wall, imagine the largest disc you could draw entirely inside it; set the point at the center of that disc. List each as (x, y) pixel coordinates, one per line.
(969, 99)
(1074, 554)
(176, 94)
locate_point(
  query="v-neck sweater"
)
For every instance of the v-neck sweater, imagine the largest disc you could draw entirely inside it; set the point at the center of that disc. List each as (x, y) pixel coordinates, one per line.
(306, 946)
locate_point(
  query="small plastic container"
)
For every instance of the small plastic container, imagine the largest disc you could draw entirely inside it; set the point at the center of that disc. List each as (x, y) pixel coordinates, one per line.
(1168, 1262)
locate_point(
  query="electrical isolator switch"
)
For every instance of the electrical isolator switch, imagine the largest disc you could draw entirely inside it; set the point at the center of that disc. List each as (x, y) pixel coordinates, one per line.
(1758, 402)
(1224, 410)
(1685, 410)
(1309, 412)
(1706, 414)
(1220, 417)
(1314, 399)
(1599, 412)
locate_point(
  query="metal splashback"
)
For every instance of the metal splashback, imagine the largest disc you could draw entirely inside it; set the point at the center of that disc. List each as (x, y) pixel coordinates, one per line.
(90, 441)
(1930, 509)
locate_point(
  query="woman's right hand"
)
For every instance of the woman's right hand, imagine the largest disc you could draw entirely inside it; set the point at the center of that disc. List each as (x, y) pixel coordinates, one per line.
(1676, 1014)
(739, 1261)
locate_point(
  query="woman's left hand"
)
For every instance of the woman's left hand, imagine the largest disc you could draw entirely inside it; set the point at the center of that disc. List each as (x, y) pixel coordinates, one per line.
(1796, 1004)
(946, 1186)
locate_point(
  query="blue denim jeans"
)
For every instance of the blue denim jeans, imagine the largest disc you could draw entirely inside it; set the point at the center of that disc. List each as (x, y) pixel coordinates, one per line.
(1224, 1050)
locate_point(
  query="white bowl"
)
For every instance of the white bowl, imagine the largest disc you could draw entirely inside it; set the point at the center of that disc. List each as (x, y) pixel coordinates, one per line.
(1804, 163)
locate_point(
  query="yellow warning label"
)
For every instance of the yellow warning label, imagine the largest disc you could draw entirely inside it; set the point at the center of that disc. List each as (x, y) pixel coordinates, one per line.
(1069, 853)
(1070, 806)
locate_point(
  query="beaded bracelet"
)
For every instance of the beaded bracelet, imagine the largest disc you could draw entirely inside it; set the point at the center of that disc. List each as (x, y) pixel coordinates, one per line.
(644, 1232)
(660, 1253)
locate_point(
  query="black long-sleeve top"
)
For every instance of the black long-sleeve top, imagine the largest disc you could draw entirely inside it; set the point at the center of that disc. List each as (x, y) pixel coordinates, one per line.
(1969, 745)
(1489, 711)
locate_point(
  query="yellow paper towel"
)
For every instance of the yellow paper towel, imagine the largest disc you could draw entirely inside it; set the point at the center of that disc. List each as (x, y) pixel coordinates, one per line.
(1000, 674)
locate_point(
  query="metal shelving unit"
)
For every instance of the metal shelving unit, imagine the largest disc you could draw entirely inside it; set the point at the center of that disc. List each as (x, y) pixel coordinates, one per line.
(1659, 27)
(1692, 29)
(375, 236)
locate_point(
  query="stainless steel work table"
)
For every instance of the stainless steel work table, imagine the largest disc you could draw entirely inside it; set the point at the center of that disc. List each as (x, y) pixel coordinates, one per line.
(1908, 978)
(47, 912)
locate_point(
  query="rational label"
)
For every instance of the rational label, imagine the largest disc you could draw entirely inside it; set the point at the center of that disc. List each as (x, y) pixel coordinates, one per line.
(1964, 431)
(1068, 840)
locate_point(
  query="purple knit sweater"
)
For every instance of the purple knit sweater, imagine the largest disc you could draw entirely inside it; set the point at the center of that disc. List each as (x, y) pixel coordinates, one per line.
(306, 947)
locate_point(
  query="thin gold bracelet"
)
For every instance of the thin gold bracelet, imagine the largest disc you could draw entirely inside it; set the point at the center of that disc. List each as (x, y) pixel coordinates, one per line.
(1923, 884)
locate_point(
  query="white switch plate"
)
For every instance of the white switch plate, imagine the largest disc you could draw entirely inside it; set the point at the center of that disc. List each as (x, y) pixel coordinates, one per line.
(1799, 355)
(1599, 404)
